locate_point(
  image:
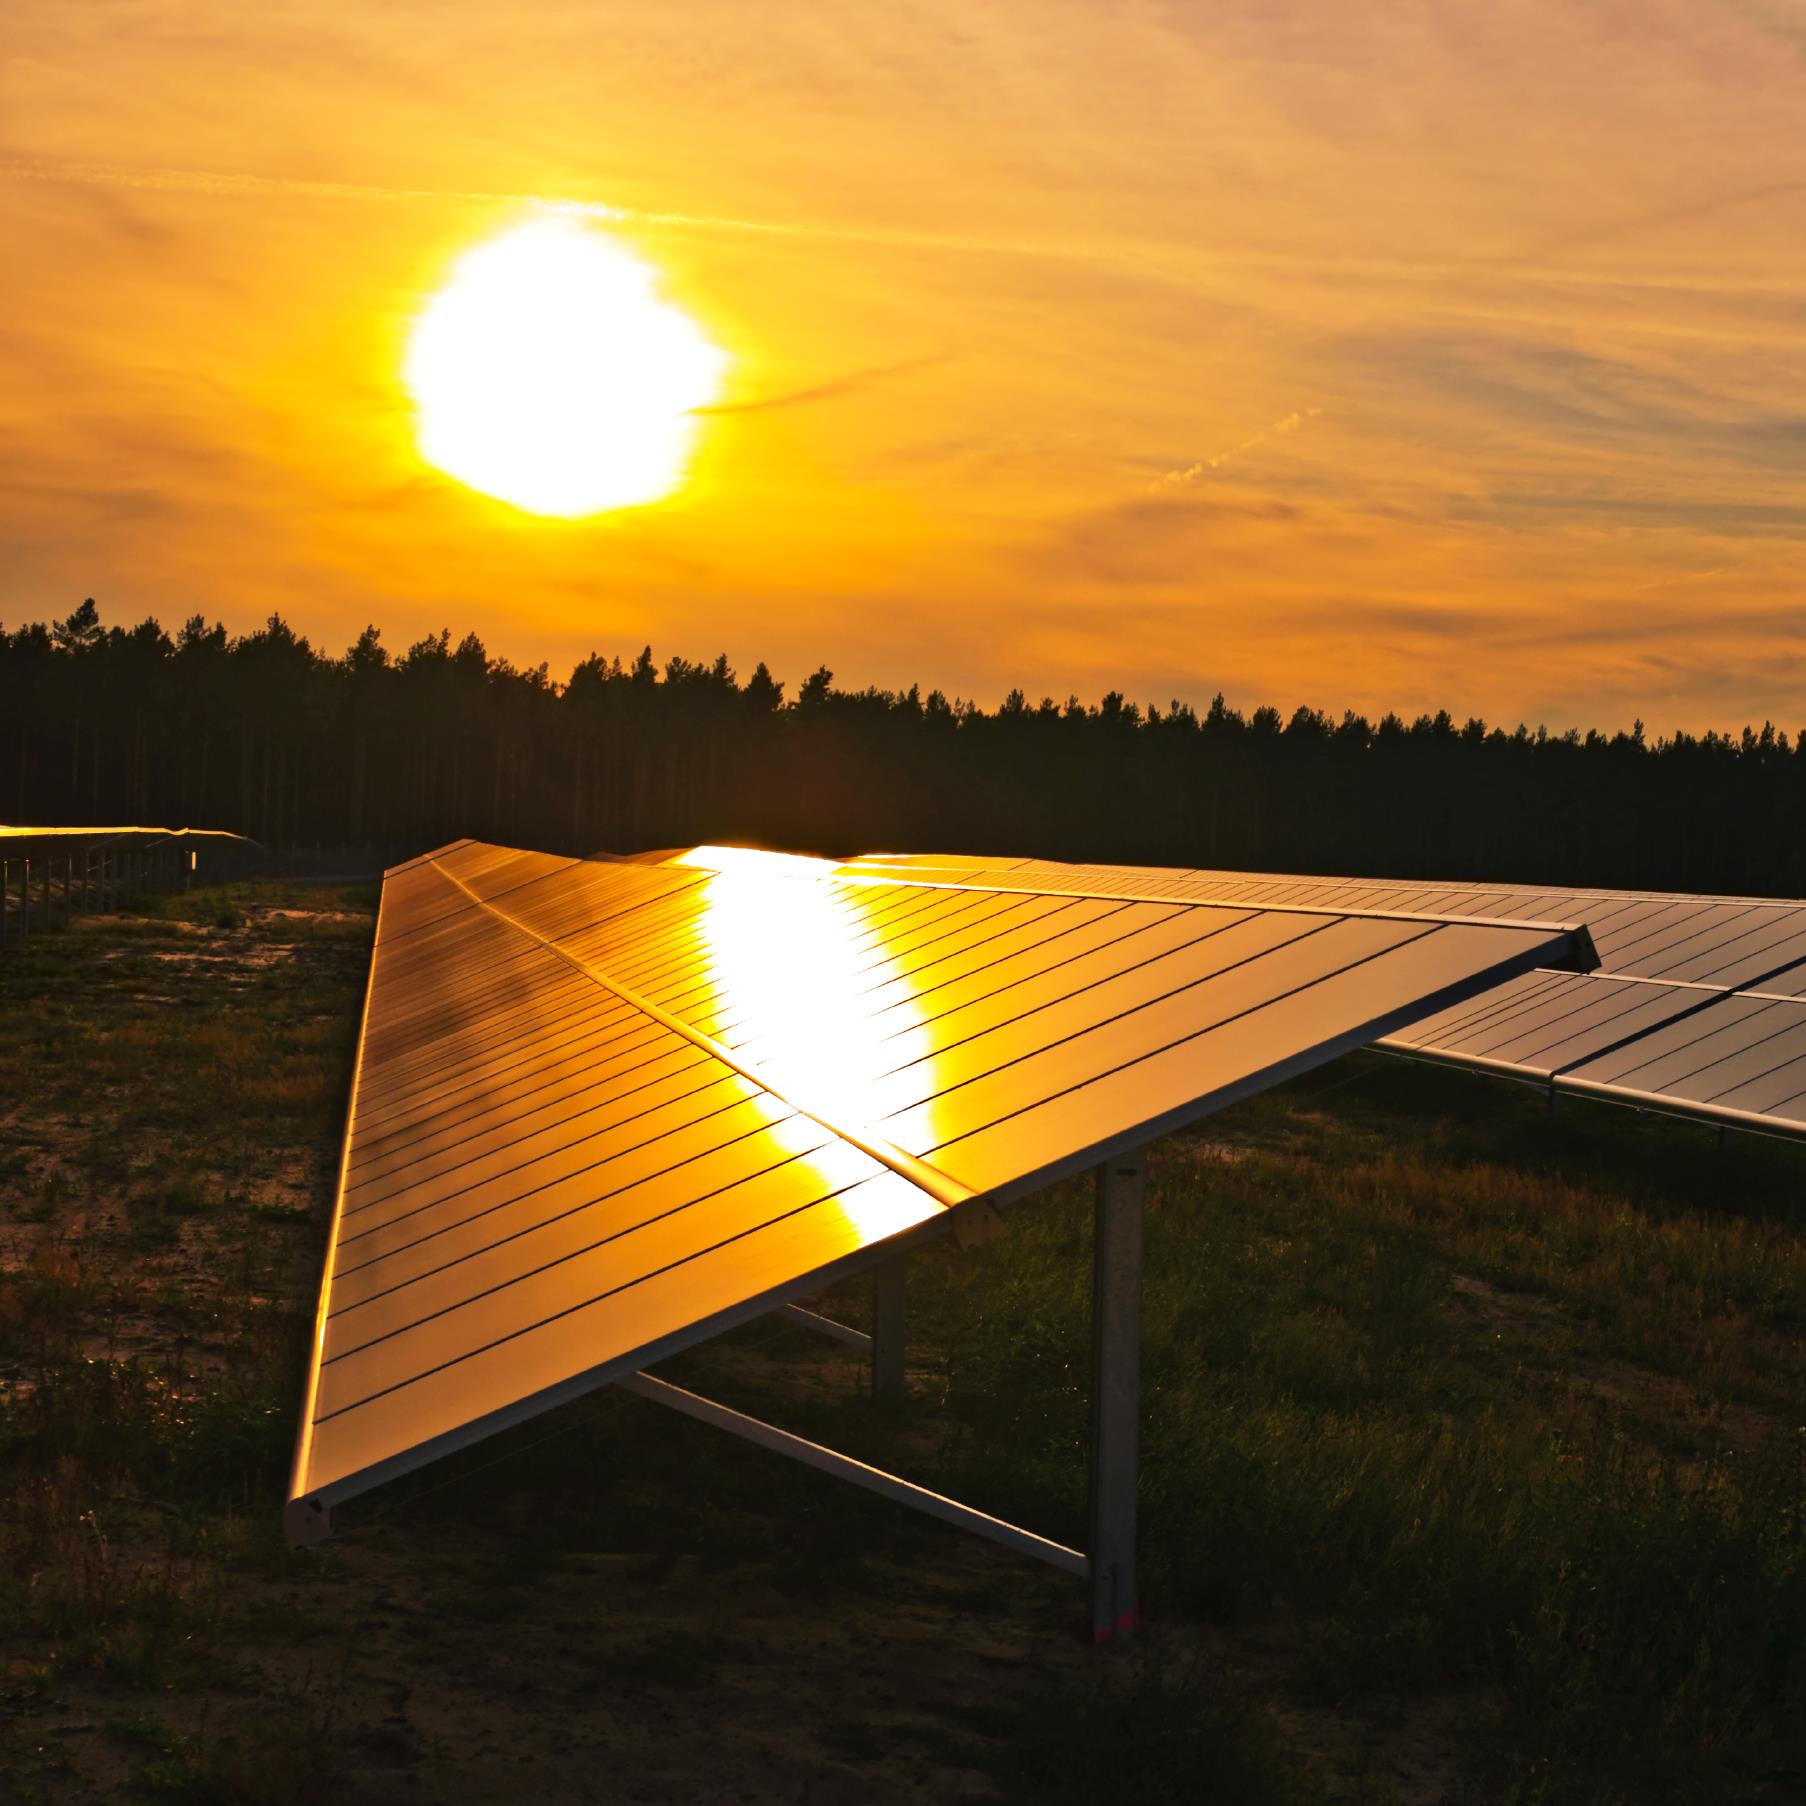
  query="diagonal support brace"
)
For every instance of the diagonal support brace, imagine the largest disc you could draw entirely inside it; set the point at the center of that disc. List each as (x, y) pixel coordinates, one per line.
(844, 1467)
(826, 1326)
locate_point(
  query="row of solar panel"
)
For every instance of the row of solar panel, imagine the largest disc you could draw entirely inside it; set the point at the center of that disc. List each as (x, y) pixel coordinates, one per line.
(1698, 1004)
(1723, 942)
(600, 1105)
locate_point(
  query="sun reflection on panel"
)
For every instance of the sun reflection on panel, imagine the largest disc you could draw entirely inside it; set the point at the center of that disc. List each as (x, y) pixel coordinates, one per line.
(799, 956)
(883, 1206)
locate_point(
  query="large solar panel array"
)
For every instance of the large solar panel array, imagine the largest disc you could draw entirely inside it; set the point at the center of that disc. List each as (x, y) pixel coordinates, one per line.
(603, 1110)
(1697, 1006)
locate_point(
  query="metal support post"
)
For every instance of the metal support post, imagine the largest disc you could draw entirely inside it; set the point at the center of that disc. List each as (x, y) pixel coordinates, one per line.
(889, 1285)
(1115, 1393)
(25, 900)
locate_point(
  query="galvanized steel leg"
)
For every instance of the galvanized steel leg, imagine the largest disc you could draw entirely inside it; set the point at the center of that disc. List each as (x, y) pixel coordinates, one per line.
(888, 1291)
(1115, 1394)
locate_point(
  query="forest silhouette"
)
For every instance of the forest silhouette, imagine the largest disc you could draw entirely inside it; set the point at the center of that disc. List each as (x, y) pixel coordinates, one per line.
(267, 735)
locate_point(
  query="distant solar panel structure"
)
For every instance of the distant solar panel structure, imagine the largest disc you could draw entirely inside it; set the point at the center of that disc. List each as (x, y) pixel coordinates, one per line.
(50, 875)
(605, 1110)
(1697, 1007)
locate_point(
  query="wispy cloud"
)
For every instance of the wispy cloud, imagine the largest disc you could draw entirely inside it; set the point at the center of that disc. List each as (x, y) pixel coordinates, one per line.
(837, 388)
(195, 181)
(1287, 423)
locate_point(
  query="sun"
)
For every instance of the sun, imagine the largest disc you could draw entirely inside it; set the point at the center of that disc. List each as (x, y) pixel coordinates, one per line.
(550, 372)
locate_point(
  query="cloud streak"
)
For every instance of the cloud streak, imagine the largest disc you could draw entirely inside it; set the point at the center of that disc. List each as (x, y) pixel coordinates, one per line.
(1287, 423)
(839, 388)
(206, 182)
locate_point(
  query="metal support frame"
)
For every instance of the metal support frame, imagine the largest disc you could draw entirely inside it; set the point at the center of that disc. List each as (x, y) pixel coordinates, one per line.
(1115, 1393)
(844, 1467)
(889, 1294)
(826, 1326)
(1115, 1407)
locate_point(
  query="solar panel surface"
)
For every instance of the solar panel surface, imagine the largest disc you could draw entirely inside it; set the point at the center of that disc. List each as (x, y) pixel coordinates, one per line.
(602, 1110)
(1697, 1006)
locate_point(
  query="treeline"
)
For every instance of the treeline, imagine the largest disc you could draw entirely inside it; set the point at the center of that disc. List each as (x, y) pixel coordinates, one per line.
(267, 735)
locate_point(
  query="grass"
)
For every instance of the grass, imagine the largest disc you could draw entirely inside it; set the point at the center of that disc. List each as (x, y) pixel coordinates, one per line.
(1475, 1402)
(1474, 1461)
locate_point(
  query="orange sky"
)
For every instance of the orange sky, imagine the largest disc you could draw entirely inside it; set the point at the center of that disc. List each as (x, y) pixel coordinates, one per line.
(1393, 355)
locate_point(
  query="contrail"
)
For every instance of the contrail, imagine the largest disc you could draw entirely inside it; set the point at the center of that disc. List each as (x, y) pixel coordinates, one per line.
(1290, 423)
(190, 181)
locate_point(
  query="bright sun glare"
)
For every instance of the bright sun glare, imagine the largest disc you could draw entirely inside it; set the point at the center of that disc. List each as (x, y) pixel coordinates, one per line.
(551, 374)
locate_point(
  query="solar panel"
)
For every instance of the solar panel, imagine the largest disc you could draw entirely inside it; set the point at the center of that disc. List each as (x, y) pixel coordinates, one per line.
(1701, 967)
(603, 1110)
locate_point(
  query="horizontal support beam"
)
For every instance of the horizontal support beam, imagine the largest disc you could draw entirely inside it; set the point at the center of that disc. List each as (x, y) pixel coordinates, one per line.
(1652, 1103)
(844, 1467)
(825, 1326)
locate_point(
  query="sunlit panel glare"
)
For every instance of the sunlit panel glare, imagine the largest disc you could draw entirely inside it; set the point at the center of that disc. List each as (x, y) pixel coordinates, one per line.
(753, 860)
(793, 955)
(550, 373)
(879, 1206)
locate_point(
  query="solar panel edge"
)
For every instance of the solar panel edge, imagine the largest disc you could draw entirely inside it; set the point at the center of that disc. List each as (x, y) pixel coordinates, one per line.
(1582, 950)
(1657, 1103)
(306, 1508)
(1228, 875)
(1264, 1078)
(304, 1437)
